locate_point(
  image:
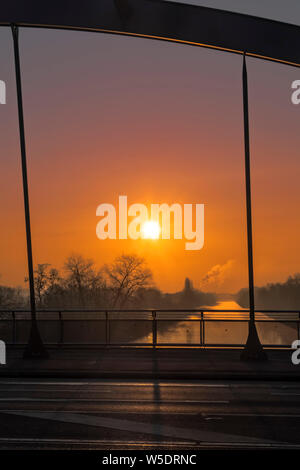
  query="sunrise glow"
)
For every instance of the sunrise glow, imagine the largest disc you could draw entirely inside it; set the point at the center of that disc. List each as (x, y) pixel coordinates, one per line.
(151, 230)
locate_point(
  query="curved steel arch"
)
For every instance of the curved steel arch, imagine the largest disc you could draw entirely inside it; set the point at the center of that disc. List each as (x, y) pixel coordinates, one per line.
(164, 20)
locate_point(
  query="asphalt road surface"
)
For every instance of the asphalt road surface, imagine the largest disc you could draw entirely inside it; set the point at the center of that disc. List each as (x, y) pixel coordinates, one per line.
(111, 414)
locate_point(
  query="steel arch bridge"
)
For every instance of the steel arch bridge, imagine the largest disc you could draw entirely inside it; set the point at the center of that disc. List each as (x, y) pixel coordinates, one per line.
(157, 20)
(164, 20)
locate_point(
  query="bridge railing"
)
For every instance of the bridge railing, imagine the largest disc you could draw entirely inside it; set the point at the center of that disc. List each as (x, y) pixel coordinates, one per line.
(152, 328)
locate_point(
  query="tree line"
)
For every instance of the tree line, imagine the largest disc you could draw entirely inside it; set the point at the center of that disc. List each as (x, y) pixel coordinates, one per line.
(279, 296)
(127, 282)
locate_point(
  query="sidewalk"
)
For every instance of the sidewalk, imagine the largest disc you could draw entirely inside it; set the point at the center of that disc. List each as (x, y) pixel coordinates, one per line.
(142, 363)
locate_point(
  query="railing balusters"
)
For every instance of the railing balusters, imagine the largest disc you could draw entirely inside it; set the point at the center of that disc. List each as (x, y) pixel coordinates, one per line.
(14, 328)
(107, 330)
(154, 329)
(201, 319)
(201, 328)
(61, 323)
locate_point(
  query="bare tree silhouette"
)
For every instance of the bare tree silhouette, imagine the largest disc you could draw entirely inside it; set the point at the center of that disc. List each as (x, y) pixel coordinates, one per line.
(126, 275)
(81, 275)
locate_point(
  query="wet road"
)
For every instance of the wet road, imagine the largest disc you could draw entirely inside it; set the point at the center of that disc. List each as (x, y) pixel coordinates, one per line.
(111, 414)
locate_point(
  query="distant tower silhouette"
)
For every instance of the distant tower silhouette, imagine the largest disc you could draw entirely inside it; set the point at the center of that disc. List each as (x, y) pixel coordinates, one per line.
(188, 285)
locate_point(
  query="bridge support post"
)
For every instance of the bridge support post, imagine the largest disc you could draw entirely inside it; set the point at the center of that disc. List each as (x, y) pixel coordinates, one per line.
(253, 349)
(35, 348)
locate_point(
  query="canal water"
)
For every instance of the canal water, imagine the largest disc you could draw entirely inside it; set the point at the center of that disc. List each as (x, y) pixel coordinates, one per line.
(185, 328)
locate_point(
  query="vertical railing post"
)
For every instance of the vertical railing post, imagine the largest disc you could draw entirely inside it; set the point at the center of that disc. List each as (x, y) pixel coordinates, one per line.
(35, 347)
(61, 324)
(201, 329)
(253, 349)
(154, 329)
(200, 325)
(107, 330)
(14, 335)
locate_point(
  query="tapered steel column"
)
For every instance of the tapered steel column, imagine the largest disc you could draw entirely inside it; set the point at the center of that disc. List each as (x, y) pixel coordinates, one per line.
(35, 347)
(253, 349)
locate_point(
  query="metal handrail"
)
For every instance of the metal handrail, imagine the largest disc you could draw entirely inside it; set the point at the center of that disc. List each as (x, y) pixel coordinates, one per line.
(148, 310)
(204, 316)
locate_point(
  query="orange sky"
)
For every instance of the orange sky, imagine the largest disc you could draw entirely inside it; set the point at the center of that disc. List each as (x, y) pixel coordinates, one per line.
(107, 116)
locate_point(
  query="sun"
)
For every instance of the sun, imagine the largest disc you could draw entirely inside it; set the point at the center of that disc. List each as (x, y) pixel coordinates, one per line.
(151, 230)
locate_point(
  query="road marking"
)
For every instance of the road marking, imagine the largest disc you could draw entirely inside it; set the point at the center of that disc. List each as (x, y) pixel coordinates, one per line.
(84, 443)
(83, 390)
(159, 412)
(109, 400)
(213, 418)
(98, 383)
(89, 442)
(119, 384)
(141, 427)
(119, 412)
(284, 394)
(263, 415)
